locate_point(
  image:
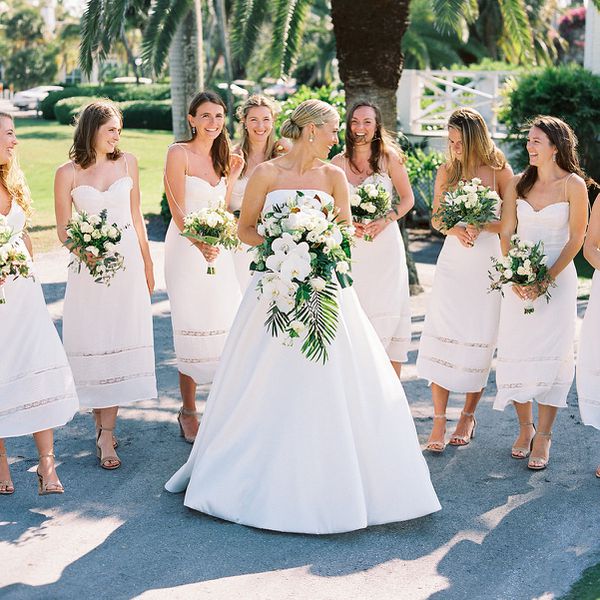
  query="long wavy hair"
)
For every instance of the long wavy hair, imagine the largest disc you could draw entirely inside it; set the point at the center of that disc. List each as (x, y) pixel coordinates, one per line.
(13, 179)
(563, 138)
(254, 101)
(478, 147)
(382, 143)
(87, 124)
(221, 147)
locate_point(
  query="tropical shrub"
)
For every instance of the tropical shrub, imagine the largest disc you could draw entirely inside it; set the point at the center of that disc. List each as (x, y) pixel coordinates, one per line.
(67, 109)
(422, 166)
(147, 114)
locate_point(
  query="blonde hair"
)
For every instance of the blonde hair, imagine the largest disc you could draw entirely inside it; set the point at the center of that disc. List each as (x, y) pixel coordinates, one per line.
(478, 147)
(13, 179)
(255, 101)
(316, 112)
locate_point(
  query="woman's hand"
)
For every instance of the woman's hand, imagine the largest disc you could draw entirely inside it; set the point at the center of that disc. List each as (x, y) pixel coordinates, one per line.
(236, 165)
(473, 232)
(374, 228)
(209, 252)
(464, 237)
(359, 229)
(530, 292)
(149, 272)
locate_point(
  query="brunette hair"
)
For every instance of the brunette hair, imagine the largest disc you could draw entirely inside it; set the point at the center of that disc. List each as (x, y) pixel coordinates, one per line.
(312, 111)
(220, 149)
(478, 147)
(255, 101)
(87, 124)
(382, 144)
(561, 136)
(13, 179)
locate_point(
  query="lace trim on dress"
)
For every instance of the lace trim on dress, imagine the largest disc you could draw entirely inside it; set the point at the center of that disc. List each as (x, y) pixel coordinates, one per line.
(85, 382)
(588, 400)
(36, 404)
(547, 384)
(199, 333)
(450, 365)
(109, 352)
(532, 359)
(447, 340)
(396, 339)
(199, 360)
(32, 373)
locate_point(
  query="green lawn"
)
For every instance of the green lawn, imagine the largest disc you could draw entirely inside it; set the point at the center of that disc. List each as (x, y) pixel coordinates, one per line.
(44, 145)
(588, 587)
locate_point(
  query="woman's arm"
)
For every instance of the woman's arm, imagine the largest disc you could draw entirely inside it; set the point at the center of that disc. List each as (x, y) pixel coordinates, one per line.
(578, 219)
(341, 194)
(503, 179)
(138, 220)
(63, 180)
(591, 248)
(174, 181)
(236, 165)
(399, 176)
(252, 204)
(27, 241)
(508, 221)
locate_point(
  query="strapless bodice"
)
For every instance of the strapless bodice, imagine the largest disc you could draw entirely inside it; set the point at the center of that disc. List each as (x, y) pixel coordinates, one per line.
(199, 193)
(16, 218)
(116, 200)
(549, 224)
(280, 196)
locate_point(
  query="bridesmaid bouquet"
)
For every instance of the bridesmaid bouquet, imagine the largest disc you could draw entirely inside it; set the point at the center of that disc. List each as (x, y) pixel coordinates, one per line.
(524, 265)
(213, 226)
(470, 203)
(304, 253)
(369, 203)
(13, 261)
(93, 243)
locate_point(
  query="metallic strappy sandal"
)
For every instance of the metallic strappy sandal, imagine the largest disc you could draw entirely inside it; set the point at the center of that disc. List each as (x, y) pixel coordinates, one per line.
(520, 452)
(6, 485)
(435, 446)
(187, 413)
(538, 463)
(48, 488)
(96, 411)
(104, 460)
(464, 440)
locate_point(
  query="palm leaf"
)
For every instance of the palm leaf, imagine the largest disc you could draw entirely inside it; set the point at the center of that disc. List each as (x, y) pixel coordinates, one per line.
(296, 25)
(517, 30)
(115, 21)
(90, 28)
(246, 21)
(450, 14)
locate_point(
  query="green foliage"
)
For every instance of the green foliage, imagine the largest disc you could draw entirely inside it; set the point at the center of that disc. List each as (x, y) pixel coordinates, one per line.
(116, 92)
(165, 211)
(67, 109)
(147, 114)
(422, 167)
(570, 93)
(326, 93)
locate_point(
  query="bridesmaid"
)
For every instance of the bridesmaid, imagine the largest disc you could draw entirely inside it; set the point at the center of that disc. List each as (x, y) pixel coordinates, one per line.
(202, 306)
(257, 144)
(107, 330)
(36, 385)
(379, 267)
(588, 361)
(547, 202)
(461, 325)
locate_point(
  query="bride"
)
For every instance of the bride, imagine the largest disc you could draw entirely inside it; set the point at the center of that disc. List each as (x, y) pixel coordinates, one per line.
(292, 445)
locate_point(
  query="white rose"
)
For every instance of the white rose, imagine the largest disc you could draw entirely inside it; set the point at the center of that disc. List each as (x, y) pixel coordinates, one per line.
(298, 327)
(95, 220)
(369, 207)
(493, 195)
(86, 227)
(92, 250)
(109, 246)
(87, 237)
(260, 229)
(476, 181)
(354, 200)
(96, 234)
(113, 233)
(318, 284)
(342, 267)
(507, 274)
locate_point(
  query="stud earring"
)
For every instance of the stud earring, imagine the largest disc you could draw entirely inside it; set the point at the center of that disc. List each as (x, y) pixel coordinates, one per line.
(311, 139)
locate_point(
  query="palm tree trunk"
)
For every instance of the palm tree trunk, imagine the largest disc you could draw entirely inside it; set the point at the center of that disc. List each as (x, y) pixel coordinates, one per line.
(222, 20)
(368, 36)
(186, 68)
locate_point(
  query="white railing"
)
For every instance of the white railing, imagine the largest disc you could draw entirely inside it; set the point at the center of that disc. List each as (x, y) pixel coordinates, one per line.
(425, 99)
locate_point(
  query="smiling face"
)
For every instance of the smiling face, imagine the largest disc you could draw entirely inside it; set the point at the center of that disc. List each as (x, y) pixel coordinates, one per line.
(539, 147)
(108, 136)
(259, 123)
(325, 137)
(8, 140)
(363, 125)
(455, 143)
(209, 120)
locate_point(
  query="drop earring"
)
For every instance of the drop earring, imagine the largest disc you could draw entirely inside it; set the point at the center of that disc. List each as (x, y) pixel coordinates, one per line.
(554, 157)
(193, 130)
(311, 139)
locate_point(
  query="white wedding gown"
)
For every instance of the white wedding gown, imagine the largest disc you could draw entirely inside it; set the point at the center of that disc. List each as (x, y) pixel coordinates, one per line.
(292, 445)
(36, 385)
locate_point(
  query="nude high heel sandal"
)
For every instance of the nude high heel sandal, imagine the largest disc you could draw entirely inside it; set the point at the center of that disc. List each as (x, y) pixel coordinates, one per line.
(6, 485)
(437, 446)
(48, 488)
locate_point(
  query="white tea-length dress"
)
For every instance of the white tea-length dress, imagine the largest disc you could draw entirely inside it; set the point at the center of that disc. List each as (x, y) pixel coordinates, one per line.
(202, 306)
(288, 444)
(36, 386)
(241, 257)
(380, 279)
(588, 359)
(461, 323)
(536, 351)
(107, 329)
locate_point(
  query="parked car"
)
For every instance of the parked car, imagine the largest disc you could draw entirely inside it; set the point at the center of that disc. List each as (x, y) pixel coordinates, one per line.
(29, 99)
(142, 80)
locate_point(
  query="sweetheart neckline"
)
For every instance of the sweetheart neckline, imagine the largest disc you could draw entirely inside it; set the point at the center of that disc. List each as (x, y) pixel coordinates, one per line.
(85, 185)
(300, 190)
(214, 187)
(545, 207)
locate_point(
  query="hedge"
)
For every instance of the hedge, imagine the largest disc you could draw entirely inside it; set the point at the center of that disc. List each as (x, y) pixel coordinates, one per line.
(137, 114)
(116, 92)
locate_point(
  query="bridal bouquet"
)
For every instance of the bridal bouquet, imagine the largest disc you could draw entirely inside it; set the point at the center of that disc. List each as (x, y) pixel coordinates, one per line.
(304, 253)
(470, 203)
(213, 226)
(93, 242)
(13, 261)
(525, 265)
(369, 203)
